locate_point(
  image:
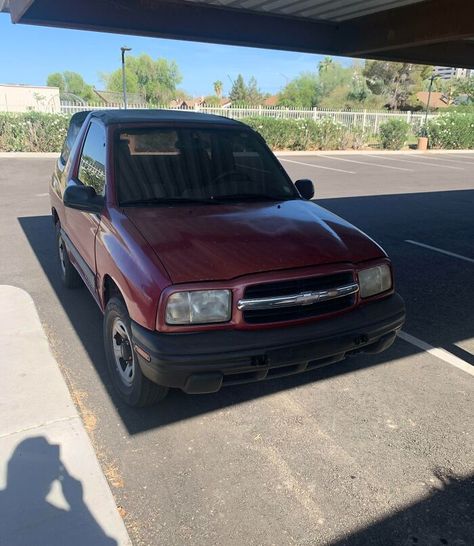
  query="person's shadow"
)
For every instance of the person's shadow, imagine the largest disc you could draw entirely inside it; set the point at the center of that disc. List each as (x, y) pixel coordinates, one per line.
(26, 516)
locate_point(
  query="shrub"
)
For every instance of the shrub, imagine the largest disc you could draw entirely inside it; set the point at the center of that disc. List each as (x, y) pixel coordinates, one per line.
(453, 131)
(283, 134)
(359, 137)
(41, 132)
(307, 134)
(394, 134)
(32, 132)
(332, 135)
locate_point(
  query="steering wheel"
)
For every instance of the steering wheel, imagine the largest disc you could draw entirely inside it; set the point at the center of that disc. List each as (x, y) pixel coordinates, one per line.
(220, 179)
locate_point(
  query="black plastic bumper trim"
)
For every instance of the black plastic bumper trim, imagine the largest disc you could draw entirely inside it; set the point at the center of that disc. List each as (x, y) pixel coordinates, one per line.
(204, 361)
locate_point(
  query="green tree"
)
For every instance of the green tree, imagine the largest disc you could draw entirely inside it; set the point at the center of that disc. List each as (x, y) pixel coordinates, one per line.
(463, 88)
(238, 93)
(326, 64)
(328, 87)
(331, 76)
(56, 79)
(156, 80)
(254, 95)
(359, 91)
(212, 100)
(218, 86)
(114, 81)
(397, 82)
(71, 83)
(301, 92)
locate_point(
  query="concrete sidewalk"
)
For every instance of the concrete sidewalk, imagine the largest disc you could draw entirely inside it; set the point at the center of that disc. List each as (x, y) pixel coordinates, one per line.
(52, 489)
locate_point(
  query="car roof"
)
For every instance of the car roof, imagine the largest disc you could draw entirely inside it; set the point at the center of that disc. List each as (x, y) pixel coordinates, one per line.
(109, 117)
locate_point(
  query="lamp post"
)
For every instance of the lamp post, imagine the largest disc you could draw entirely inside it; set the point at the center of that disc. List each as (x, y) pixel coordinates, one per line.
(432, 79)
(124, 84)
(423, 138)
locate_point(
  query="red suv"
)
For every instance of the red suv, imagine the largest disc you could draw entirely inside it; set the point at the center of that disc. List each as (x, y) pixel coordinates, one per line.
(211, 267)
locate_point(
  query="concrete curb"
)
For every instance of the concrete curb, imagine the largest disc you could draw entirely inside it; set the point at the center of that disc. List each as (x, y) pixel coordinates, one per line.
(52, 489)
(372, 152)
(29, 155)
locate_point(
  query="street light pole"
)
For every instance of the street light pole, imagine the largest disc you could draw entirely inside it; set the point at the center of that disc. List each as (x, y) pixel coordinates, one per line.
(124, 83)
(432, 79)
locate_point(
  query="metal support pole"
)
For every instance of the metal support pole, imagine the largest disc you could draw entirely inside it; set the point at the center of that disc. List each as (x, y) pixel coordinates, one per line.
(432, 78)
(124, 82)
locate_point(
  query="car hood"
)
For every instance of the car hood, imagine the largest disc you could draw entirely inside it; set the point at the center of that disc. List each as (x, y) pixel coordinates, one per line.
(221, 242)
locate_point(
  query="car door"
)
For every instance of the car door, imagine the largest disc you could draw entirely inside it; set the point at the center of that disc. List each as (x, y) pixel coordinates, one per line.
(81, 227)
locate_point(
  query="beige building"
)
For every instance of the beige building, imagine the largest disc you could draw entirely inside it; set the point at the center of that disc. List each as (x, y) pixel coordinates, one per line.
(26, 98)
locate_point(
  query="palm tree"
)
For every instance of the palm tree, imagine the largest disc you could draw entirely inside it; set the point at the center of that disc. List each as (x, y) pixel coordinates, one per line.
(218, 85)
(325, 64)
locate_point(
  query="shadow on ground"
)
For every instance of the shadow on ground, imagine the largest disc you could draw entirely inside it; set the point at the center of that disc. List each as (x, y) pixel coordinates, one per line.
(444, 516)
(438, 297)
(28, 517)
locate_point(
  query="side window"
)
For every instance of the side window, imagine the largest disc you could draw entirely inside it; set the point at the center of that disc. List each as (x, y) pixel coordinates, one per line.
(92, 164)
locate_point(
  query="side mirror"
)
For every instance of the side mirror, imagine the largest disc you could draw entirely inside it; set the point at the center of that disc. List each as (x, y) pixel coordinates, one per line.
(83, 198)
(305, 188)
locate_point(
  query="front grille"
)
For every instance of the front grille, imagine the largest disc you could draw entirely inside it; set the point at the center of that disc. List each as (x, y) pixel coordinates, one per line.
(296, 286)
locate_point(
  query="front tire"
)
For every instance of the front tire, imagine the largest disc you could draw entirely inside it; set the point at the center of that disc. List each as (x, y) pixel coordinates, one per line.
(69, 276)
(124, 369)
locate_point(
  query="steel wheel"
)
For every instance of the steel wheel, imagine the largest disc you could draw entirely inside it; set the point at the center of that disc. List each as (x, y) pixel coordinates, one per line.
(124, 365)
(69, 276)
(123, 352)
(62, 255)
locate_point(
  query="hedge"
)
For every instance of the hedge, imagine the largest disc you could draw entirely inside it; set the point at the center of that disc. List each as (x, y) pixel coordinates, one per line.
(32, 132)
(394, 134)
(306, 134)
(39, 132)
(453, 131)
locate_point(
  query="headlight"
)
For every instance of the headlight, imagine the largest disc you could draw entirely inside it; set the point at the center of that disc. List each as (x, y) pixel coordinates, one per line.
(375, 280)
(198, 307)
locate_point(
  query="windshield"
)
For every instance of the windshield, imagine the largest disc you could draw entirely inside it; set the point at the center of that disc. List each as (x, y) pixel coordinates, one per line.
(196, 165)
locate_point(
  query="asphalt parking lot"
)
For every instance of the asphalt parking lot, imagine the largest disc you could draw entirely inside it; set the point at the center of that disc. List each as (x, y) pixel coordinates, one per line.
(374, 450)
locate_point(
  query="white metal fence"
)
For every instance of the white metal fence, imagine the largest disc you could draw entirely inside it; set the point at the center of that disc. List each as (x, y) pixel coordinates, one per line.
(369, 121)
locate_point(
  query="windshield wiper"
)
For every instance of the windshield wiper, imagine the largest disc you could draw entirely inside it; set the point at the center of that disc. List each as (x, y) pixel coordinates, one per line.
(250, 197)
(165, 201)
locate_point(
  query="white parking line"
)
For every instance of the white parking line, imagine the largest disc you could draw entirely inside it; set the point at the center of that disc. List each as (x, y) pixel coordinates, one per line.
(365, 163)
(441, 251)
(457, 155)
(416, 162)
(442, 354)
(316, 166)
(461, 160)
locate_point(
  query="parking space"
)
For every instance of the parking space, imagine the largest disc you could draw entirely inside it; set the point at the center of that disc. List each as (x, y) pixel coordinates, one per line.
(375, 450)
(352, 174)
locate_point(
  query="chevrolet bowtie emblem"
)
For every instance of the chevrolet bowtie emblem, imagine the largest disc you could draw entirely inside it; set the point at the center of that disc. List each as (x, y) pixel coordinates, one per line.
(307, 298)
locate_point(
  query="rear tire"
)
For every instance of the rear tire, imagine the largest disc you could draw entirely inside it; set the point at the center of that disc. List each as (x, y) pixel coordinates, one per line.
(69, 276)
(124, 369)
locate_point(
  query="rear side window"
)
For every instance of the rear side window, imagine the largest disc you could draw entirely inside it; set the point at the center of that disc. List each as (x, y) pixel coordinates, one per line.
(92, 164)
(75, 125)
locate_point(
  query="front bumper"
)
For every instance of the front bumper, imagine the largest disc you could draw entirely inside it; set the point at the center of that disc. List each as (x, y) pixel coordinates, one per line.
(203, 362)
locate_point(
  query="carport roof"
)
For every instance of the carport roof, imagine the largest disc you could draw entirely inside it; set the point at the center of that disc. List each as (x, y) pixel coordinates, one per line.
(421, 31)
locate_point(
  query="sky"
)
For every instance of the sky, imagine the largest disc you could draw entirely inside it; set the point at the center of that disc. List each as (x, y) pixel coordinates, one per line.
(35, 52)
